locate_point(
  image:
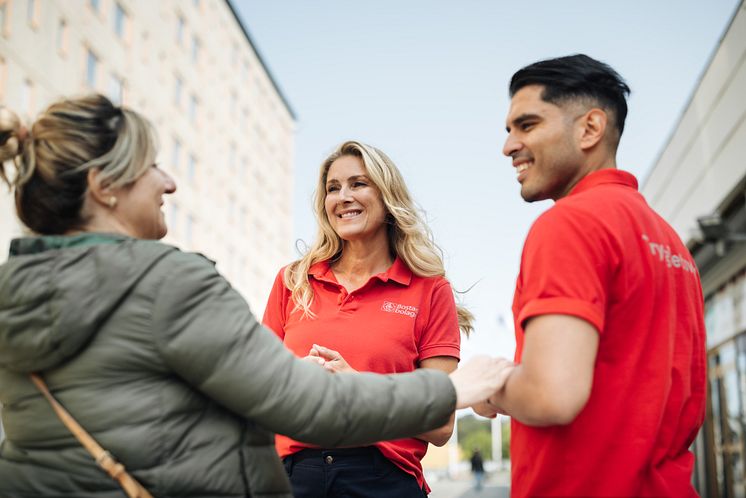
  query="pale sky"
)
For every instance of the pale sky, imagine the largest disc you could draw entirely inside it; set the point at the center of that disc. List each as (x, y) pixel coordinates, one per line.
(426, 82)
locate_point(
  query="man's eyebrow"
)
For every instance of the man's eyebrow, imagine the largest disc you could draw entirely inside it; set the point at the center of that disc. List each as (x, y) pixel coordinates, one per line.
(522, 119)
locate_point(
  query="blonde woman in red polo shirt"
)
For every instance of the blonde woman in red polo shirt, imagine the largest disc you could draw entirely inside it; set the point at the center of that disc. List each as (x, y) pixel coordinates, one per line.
(369, 295)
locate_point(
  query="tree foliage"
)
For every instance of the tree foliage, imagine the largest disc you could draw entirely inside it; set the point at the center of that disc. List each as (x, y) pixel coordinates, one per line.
(480, 440)
(474, 432)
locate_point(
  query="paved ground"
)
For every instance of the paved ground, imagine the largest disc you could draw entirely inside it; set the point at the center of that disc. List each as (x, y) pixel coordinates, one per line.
(496, 486)
(464, 489)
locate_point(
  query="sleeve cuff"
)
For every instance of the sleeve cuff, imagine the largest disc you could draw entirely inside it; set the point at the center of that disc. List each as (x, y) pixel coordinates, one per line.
(563, 306)
(440, 350)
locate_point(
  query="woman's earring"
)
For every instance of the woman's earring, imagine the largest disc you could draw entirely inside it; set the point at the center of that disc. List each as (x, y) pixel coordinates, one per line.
(112, 202)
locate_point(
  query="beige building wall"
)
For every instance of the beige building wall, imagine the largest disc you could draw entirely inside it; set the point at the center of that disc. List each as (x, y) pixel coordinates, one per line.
(226, 131)
(704, 158)
(702, 171)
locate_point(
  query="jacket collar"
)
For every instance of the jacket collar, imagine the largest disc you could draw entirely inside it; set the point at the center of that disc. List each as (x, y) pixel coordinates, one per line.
(35, 245)
(399, 272)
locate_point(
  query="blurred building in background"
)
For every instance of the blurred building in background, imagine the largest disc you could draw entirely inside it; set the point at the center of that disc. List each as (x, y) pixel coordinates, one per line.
(225, 128)
(699, 185)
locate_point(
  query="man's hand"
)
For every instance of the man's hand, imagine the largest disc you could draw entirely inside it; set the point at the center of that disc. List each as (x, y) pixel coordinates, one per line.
(487, 409)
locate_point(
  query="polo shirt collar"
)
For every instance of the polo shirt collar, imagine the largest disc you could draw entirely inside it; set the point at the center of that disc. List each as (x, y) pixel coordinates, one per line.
(399, 272)
(604, 177)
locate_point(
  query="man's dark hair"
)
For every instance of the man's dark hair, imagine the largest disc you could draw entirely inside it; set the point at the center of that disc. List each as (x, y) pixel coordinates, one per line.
(576, 77)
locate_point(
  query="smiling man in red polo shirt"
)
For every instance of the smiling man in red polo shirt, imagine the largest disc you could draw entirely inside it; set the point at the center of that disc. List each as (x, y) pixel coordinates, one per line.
(609, 388)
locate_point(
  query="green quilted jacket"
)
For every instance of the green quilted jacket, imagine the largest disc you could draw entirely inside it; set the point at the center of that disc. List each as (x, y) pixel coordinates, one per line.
(162, 362)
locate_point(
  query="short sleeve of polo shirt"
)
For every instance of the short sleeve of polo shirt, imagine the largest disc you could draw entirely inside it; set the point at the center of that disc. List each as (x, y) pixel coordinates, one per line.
(274, 312)
(441, 335)
(565, 267)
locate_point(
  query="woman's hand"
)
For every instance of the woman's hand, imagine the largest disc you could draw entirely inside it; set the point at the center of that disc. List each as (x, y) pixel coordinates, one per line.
(479, 379)
(315, 359)
(328, 358)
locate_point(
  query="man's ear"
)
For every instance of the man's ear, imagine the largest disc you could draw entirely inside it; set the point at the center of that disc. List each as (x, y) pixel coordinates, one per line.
(593, 128)
(100, 193)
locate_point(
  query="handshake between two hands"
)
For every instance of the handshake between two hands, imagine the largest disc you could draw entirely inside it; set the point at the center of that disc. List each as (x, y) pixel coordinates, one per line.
(480, 379)
(329, 359)
(476, 381)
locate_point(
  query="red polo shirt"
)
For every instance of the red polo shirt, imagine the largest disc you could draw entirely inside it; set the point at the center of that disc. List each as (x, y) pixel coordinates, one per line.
(603, 255)
(389, 325)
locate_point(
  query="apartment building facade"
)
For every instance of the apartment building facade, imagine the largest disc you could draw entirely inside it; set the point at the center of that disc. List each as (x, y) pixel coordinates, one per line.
(225, 128)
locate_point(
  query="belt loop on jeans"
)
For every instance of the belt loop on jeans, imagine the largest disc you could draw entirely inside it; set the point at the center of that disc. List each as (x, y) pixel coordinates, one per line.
(289, 462)
(378, 460)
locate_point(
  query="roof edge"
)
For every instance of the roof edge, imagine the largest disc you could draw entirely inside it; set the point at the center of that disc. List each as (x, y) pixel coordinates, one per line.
(692, 94)
(261, 60)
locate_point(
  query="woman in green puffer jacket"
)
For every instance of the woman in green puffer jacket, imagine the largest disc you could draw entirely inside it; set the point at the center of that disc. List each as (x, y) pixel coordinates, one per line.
(148, 347)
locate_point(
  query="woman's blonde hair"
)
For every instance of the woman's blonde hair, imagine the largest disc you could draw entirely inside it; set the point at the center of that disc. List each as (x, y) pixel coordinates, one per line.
(53, 158)
(409, 237)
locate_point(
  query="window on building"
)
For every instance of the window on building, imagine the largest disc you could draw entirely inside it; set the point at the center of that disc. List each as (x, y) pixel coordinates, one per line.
(195, 49)
(232, 157)
(258, 179)
(5, 16)
(32, 13)
(180, 30)
(244, 119)
(116, 89)
(3, 72)
(243, 220)
(189, 229)
(245, 71)
(120, 22)
(62, 37)
(193, 104)
(27, 97)
(173, 219)
(232, 208)
(196, 4)
(724, 426)
(191, 168)
(176, 153)
(95, 5)
(178, 90)
(91, 68)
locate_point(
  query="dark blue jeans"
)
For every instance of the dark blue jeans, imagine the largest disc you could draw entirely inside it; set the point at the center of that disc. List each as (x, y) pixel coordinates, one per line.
(348, 473)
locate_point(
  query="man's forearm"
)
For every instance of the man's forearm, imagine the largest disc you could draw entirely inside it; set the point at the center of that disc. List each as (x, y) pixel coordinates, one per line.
(553, 382)
(532, 401)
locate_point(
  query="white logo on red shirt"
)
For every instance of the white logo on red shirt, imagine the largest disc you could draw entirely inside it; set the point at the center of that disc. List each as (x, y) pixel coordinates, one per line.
(401, 309)
(671, 260)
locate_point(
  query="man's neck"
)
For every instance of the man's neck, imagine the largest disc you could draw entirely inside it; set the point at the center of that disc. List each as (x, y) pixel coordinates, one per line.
(591, 165)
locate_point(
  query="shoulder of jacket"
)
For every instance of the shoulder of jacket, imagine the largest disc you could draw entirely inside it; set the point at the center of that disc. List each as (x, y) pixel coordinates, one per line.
(168, 253)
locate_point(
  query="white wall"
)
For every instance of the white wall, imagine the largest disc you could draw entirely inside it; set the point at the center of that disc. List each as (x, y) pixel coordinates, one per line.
(706, 155)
